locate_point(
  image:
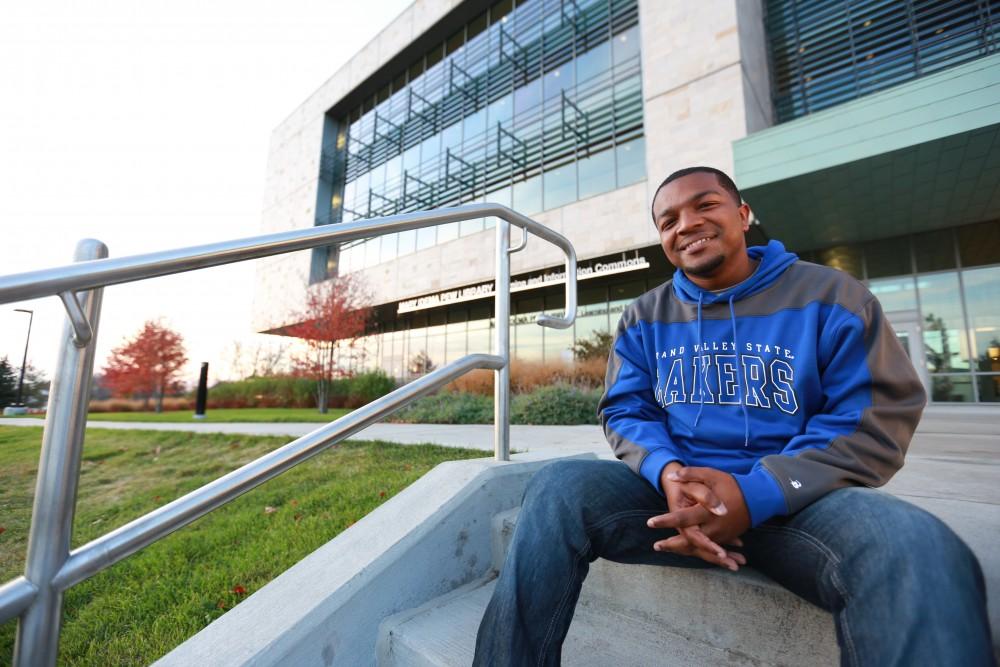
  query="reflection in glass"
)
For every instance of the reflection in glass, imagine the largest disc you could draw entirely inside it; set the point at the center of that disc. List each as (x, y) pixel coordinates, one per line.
(631, 158)
(626, 45)
(592, 62)
(447, 232)
(951, 388)
(435, 347)
(989, 388)
(426, 237)
(372, 251)
(558, 343)
(528, 196)
(895, 293)
(982, 299)
(596, 173)
(407, 241)
(844, 258)
(528, 338)
(479, 337)
(455, 341)
(387, 252)
(560, 185)
(945, 343)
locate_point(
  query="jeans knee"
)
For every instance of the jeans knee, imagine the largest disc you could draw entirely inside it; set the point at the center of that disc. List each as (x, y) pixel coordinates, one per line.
(911, 543)
(564, 480)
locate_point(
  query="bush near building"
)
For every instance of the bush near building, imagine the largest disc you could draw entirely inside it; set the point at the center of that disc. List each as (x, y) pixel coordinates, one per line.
(542, 394)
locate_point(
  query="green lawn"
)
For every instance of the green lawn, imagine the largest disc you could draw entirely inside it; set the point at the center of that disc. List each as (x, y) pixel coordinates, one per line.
(223, 415)
(137, 610)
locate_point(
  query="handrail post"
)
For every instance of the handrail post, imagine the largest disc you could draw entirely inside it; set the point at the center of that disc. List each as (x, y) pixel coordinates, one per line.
(501, 376)
(37, 642)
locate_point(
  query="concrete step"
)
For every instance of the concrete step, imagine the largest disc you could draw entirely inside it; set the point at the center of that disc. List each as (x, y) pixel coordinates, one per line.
(634, 615)
(780, 627)
(443, 634)
(729, 610)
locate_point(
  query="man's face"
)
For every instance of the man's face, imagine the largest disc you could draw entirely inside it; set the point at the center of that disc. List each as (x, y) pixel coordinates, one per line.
(701, 229)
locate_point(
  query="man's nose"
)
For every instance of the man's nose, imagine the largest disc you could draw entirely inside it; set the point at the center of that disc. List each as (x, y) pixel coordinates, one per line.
(688, 221)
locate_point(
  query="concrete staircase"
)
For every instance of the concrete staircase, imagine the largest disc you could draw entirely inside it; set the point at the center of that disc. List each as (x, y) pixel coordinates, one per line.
(632, 615)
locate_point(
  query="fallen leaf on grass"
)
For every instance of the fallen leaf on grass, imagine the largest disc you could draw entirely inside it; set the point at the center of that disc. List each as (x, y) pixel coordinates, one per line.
(2, 529)
(270, 510)
(221, 604)
(381, 494)
(239, 590)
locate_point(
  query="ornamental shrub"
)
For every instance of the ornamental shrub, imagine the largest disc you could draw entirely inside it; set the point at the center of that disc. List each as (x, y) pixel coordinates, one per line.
(366, 387)
(448, 407)
(557, 404)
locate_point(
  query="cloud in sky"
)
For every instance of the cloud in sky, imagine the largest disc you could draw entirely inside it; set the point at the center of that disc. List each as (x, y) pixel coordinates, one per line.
(146, 125)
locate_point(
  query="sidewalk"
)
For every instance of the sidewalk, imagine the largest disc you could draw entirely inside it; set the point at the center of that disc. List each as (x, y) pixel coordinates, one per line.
(955, 454)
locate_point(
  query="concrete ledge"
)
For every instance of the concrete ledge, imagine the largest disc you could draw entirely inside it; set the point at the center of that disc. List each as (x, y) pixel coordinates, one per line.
(425, 542)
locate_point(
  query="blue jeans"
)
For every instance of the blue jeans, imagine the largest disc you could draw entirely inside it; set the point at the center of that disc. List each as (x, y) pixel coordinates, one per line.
(902, 587)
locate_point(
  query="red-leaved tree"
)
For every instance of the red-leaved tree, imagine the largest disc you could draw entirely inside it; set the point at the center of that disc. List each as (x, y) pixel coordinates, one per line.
(338, 310)
(146, 365)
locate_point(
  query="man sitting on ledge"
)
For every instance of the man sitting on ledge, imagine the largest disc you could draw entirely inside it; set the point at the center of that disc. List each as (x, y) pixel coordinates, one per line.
(756, 398)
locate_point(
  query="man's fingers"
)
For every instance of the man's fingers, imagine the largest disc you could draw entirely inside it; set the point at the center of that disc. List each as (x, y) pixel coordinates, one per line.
(735, 542)
(700, 540)
(693, 474)
(677, 544)
(705, 497)
(690, 540)
(680, 544)
(682, 518)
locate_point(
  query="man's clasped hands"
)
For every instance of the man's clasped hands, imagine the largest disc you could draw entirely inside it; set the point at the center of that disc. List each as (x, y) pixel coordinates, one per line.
(707, 510)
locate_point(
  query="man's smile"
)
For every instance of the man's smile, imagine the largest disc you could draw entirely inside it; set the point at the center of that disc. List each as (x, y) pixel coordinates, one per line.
(693, 246)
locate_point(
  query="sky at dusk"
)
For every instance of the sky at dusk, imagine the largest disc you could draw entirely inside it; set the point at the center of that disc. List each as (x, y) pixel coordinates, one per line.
(146, 125)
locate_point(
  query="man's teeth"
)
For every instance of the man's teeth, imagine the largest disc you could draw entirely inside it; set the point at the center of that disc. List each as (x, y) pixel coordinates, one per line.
(696, 244)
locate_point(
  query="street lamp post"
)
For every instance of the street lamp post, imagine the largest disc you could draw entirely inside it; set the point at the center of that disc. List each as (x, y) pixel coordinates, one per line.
(24, 361)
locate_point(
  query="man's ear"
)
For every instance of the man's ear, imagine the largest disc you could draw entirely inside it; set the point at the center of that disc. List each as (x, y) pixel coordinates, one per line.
(745, 216)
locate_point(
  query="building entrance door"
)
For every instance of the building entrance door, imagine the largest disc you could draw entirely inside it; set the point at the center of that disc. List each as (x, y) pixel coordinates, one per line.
(906, 324)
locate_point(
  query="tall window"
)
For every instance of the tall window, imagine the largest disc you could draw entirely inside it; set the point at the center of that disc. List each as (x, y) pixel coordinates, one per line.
(533, 106)
(951, 277)
(826, 53)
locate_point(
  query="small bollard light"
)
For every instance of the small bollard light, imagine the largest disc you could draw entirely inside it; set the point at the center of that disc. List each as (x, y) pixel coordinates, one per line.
(202, 396)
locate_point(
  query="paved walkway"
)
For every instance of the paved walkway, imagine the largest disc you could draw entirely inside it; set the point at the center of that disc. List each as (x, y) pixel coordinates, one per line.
(955, 454)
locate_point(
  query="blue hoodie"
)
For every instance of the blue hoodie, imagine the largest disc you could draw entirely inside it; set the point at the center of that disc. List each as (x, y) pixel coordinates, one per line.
(791, 380)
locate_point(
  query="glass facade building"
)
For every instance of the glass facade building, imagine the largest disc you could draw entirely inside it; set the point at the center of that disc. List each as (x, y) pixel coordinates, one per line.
(950, 279)
(827, 52)
(537, 104)
(532, 106)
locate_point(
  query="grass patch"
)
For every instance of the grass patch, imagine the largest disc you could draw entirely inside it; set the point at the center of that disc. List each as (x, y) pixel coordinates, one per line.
(141, 608)
(221, 415)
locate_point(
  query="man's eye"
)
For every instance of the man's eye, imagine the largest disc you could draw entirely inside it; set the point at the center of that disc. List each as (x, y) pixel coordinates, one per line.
(667, 224)
(707, 204)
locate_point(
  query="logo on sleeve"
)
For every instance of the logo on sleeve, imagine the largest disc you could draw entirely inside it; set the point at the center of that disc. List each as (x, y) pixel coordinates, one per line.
(796, 484)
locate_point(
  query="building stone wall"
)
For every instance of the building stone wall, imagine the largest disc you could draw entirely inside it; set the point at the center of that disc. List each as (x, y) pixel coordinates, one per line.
(699, 96)
(696, 86)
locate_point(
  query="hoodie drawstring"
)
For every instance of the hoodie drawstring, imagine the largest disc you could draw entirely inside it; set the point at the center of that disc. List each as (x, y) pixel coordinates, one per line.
(700, 369)
(740, 372)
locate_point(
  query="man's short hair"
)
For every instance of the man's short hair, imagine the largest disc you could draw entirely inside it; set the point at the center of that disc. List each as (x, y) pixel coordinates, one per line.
(723, 178)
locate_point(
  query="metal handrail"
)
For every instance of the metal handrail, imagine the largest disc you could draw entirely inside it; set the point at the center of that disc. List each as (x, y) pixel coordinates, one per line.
(91, 274)
(51, 568)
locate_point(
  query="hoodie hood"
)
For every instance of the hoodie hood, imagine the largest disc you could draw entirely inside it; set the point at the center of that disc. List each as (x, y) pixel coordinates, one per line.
(774, 259)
